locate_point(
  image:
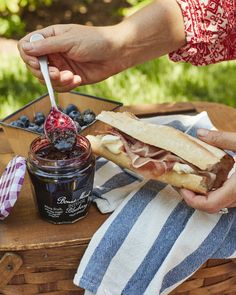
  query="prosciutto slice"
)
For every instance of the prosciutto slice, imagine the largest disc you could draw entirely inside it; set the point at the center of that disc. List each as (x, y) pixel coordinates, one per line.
(147, 157)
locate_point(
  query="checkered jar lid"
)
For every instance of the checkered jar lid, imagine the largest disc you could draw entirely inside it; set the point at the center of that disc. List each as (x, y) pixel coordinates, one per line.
(11, 183)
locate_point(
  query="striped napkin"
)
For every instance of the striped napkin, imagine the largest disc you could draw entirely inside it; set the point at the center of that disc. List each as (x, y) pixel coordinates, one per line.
(153, 241)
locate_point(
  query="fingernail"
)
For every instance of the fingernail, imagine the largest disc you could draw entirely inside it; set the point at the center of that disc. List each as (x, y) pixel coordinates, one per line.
(77, 79)
(202, 132)
(27, 46)
(66, 77)
(53, 74)
(52, 71)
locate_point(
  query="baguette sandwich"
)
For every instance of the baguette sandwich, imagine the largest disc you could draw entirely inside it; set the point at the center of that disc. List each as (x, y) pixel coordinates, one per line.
(160, 152)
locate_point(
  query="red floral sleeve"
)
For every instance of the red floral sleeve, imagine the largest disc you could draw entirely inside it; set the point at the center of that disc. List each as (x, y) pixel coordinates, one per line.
(210, 28)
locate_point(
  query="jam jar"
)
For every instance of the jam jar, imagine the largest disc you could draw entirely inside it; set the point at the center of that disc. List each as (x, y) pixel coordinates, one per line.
(62, 181)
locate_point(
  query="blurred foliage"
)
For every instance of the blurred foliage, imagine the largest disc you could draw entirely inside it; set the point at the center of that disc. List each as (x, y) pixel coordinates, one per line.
(135, 6)
(162, 80)
(156, 81)
(17, 85)
(19, 16)
(10, 15)
(11, 25)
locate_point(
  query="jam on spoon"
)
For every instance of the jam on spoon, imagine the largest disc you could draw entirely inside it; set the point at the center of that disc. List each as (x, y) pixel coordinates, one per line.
(60, 131)
(59, 128)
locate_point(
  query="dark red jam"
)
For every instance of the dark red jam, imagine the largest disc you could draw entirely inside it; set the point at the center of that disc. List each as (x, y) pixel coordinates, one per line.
(60, 130)
(49, 152)
(62, 140)
(62, 181)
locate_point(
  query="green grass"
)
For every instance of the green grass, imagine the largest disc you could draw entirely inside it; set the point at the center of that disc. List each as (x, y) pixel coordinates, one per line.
(156, 81)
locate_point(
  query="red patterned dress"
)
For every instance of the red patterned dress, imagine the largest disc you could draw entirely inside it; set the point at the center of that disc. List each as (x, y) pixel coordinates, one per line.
(210, 28)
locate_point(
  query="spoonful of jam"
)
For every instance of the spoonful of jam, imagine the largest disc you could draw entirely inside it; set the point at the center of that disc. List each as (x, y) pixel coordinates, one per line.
(59, 128)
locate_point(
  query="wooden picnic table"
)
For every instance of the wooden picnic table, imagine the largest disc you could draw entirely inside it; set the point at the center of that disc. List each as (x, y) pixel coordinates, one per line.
(32, 248)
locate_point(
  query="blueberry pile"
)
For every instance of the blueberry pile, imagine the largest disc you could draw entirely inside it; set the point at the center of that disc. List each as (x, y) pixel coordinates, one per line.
(36, 125)
(82, 119)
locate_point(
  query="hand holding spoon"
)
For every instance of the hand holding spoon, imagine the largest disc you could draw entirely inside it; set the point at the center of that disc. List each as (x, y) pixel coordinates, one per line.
(59, 128)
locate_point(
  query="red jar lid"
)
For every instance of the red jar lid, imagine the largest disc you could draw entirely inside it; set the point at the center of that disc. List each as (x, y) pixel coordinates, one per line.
(11, 183)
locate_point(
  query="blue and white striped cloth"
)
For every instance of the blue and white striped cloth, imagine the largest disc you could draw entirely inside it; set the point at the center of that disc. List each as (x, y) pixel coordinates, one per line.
(153, 241)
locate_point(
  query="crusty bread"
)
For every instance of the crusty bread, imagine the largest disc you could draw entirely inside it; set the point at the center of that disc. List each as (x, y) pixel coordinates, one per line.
(186, 147)
(192, 182)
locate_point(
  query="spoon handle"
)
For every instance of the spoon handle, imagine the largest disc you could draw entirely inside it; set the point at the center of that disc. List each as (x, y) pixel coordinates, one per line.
(43, 61)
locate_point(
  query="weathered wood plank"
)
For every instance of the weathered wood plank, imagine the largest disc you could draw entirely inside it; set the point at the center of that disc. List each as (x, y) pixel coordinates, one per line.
(9, 265)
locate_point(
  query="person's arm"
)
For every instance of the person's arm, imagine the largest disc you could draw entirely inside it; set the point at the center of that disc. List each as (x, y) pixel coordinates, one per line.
(81, 54)
(155, 30)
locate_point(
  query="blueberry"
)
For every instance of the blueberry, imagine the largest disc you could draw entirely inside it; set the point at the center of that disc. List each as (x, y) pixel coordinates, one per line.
(70, 108)
(34, 128)
(62, 141)
(14, 123)
(39, 114)
(89, 118)
(73, 114)
(39, 120)
(87, 111)
(20, 124)
(79, 119)
(78, 126)
(41, 129)
(25, 121)
(31, 124)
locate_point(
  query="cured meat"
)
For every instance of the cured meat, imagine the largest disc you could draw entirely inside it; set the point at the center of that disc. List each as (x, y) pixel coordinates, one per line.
(151, 159)
(146, 157)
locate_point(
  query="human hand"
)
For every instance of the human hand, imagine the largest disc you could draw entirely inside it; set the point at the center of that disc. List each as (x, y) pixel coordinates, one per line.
(77, 54)
(225, 196)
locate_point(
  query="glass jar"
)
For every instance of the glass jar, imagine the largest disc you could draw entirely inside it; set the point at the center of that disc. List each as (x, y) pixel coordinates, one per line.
(62, 187)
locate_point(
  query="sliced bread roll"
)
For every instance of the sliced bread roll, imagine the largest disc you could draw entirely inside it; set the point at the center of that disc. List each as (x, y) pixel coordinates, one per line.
(210, 165)
(186, 147)
(197, 183)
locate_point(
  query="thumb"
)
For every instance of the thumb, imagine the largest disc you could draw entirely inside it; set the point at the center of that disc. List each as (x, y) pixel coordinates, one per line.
(54, 44)
(220, 139)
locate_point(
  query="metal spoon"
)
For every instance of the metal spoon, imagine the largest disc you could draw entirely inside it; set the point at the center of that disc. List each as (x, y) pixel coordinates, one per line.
(59, 128)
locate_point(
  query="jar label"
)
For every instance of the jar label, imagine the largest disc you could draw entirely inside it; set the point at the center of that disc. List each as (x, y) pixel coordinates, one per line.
(64, 200)
(65, 206)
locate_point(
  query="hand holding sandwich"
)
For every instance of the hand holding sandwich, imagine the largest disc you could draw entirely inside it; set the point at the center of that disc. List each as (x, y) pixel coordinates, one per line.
(225, 196)
(161, 153)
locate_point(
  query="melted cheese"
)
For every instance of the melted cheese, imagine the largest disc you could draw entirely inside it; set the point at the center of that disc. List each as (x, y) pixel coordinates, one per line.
(112, 143)
(182, 168)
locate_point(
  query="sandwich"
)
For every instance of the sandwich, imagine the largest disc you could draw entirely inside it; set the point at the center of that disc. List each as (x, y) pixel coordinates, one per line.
(160, 152)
